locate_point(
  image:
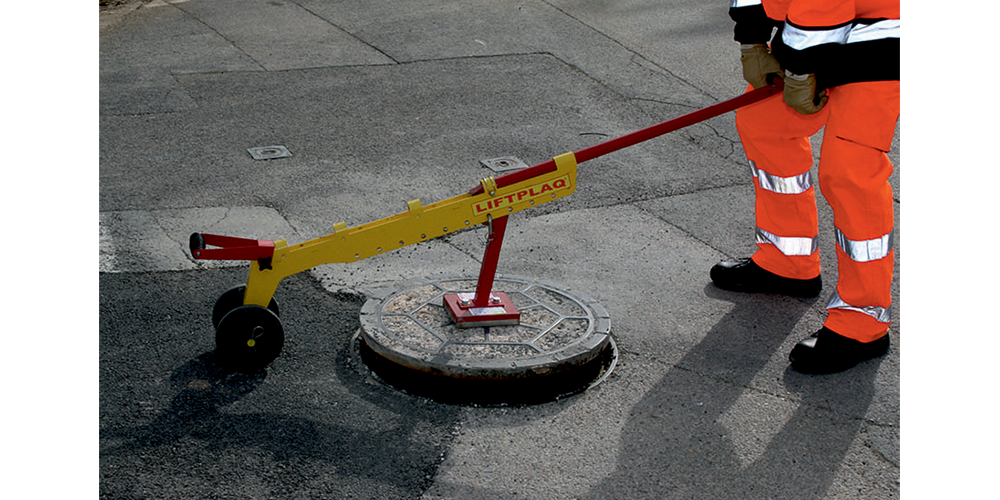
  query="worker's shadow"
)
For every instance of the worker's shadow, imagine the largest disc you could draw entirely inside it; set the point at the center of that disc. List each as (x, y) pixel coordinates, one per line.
(704, 431)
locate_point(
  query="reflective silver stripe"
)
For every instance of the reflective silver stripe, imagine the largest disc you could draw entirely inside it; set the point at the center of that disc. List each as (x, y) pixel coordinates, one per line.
(788, 245)
(882, 314)
(886, 28)
(866, 250)
(745, 3)
(801, 39)
(796, 184)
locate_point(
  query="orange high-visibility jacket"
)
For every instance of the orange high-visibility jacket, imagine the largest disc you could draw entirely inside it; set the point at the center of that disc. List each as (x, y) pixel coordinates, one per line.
(840, 41)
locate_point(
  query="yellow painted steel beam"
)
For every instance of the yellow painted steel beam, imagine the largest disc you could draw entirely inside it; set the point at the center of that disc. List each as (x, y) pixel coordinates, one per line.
(417, 224)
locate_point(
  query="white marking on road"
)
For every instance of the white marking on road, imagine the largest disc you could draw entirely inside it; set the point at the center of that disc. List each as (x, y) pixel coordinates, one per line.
(157, 240)
(106, 259)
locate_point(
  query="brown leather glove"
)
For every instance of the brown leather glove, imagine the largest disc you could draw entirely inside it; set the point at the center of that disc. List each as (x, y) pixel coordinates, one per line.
(800, 93)
(758, 63)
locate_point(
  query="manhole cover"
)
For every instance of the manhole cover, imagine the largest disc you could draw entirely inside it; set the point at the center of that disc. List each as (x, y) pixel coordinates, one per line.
(269, 152)
(562, 346)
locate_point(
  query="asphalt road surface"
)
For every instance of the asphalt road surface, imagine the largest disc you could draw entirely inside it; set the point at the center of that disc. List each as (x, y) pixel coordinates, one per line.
(314, 425)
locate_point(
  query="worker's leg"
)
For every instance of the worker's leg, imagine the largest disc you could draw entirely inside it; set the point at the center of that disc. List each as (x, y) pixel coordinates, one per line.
(853, 173)
(776, 141)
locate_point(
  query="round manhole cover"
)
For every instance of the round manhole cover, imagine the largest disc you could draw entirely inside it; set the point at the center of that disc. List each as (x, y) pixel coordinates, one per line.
(561, 346)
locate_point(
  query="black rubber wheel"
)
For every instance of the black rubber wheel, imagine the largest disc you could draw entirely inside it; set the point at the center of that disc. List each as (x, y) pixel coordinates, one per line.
(232, 299)
(248, 339)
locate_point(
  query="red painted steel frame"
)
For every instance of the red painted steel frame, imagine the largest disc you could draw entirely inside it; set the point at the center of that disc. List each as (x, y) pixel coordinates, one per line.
(642, 135)
(490, 259)
(463, 311)
(229, 247)
(484, 286)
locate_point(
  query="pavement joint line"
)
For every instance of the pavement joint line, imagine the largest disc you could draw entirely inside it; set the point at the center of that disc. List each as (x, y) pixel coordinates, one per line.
(349, 33)
(630, 50)
(218, 33)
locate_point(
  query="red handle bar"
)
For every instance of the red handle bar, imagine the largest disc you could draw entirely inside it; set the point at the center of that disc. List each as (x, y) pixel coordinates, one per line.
(612, 145)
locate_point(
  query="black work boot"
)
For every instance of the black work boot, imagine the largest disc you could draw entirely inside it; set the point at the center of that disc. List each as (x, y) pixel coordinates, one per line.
(745, 275)
(827, 351)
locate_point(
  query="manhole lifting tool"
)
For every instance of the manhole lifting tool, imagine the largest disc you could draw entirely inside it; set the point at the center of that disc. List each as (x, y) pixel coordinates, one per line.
(248, 333)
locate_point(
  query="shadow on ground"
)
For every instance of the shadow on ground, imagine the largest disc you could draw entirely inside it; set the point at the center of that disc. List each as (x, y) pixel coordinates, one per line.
(174, 424)
(698, 431)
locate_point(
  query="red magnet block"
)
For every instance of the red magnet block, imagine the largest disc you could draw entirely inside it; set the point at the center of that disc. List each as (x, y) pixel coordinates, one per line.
(499, 311)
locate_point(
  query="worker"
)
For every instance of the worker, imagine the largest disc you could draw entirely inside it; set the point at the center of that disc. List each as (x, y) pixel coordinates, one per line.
(839, 60)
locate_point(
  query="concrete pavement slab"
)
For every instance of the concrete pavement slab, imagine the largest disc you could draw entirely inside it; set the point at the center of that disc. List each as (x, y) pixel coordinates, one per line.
(452, 28)
(139, 59)
(282, 35)
(682, 37)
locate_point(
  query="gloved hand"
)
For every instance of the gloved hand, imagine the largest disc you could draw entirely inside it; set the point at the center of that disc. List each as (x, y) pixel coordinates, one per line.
(800, 93)
(758, 63)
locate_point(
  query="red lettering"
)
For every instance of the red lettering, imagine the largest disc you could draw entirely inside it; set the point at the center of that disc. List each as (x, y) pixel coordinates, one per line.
(516, 197)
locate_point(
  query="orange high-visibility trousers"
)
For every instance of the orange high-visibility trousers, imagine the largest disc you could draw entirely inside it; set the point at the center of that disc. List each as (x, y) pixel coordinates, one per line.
(860, 121)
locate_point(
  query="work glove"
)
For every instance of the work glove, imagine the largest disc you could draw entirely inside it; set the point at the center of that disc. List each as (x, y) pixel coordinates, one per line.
(800, 93)
(758, 63)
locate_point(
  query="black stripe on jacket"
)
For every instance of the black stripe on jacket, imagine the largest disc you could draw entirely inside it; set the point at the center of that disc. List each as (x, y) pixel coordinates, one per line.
(842, 63)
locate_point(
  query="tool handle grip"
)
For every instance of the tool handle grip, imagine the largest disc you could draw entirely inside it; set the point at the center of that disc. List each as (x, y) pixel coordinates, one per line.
(197, 243)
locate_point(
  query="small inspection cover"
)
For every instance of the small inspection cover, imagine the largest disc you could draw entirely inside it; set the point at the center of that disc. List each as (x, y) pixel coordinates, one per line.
(504, 164)
(269, 152)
